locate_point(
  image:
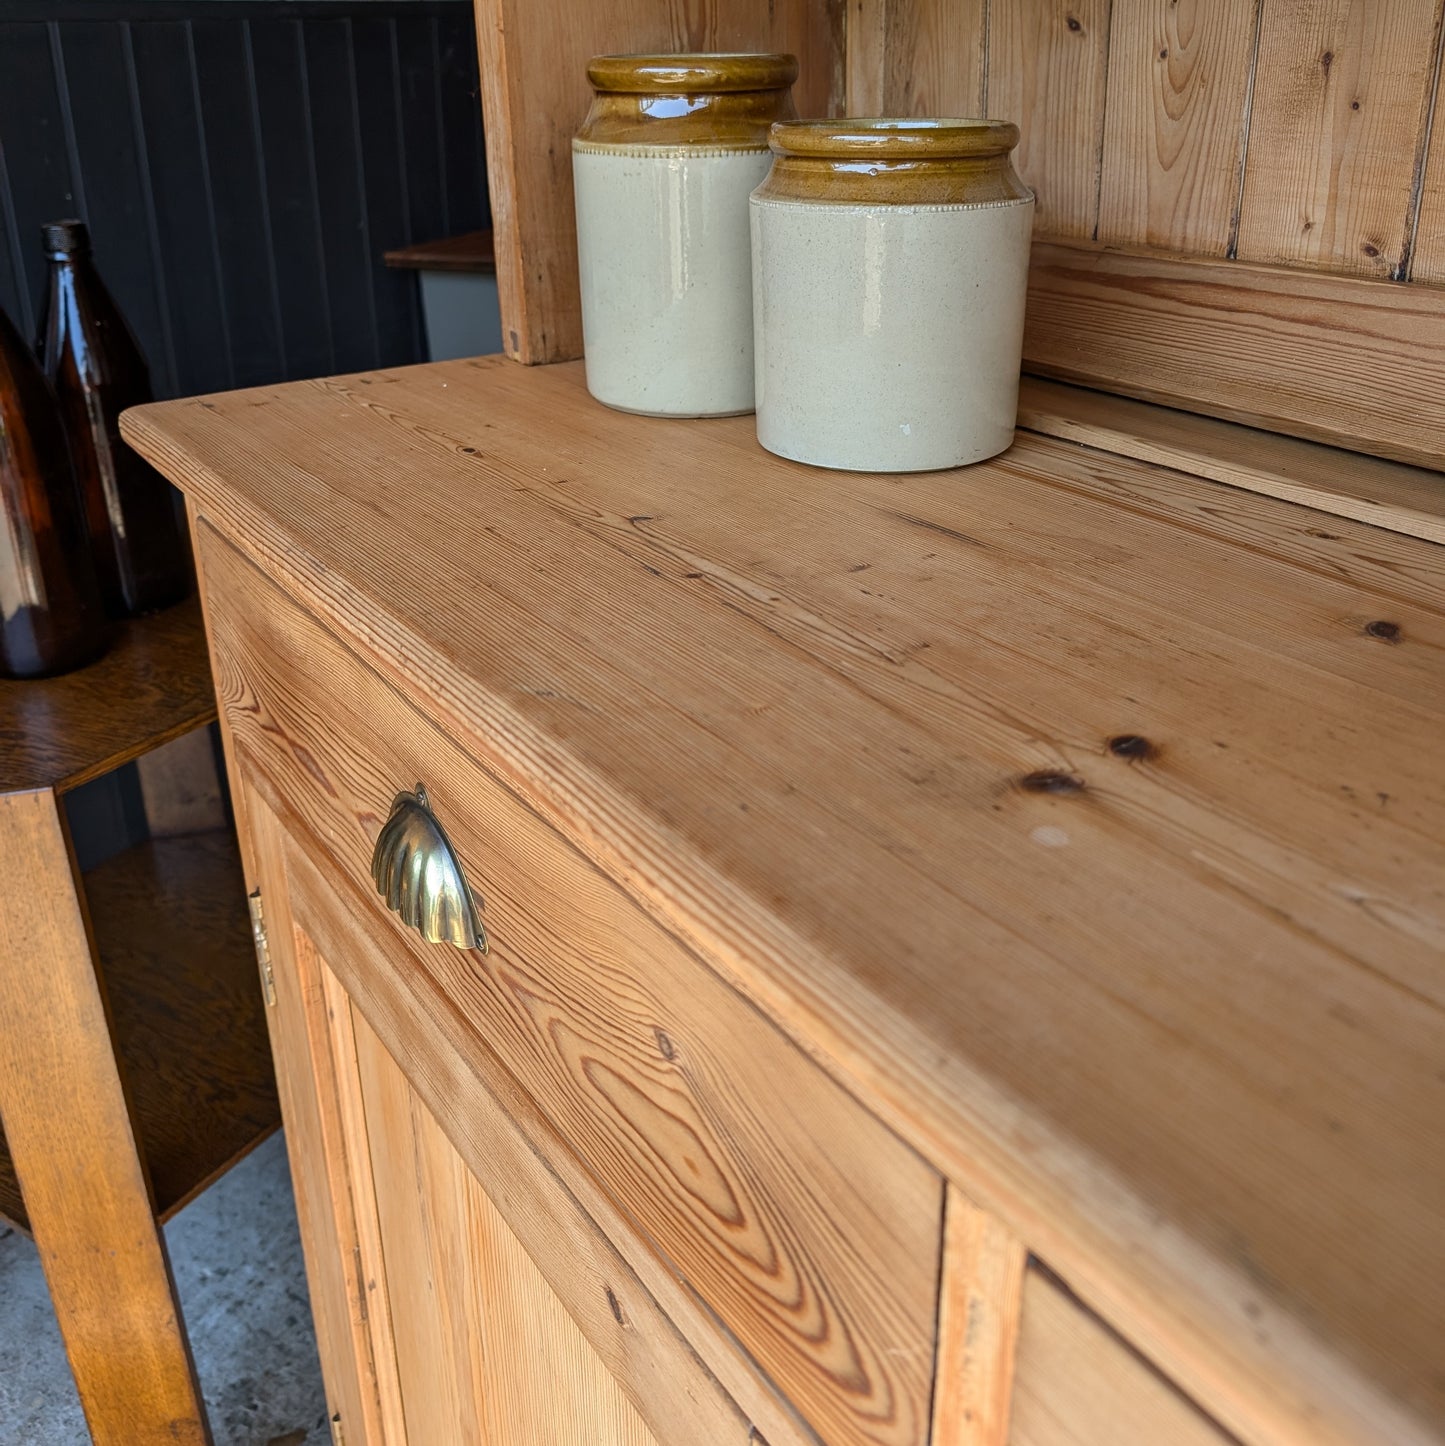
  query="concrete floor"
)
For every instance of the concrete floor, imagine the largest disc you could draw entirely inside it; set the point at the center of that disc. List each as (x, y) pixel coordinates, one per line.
(237, 1261)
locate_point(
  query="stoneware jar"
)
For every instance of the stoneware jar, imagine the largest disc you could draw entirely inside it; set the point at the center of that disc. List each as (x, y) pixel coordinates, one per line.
(662, 169)
(889, 267)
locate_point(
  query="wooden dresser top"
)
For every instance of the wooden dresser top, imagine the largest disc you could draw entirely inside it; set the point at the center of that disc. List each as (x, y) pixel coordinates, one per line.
(1087, 817)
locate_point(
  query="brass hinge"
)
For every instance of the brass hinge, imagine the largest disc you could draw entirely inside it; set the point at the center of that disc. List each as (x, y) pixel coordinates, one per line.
(338, 1437)
(263, 947)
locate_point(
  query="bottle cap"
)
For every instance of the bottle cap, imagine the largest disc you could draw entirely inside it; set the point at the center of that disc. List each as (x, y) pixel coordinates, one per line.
(65, 237)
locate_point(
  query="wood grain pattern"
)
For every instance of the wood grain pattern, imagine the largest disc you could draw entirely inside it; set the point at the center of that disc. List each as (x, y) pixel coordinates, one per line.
(1208, 1058)
(686, 1378)
(1341, 98)
(979, 1301)
(933, 57)
(1427, 249)
(1347, 484)
(535, 94)
(813, 1237)
(316, 1144)
(1174, 122)
(153, 685)
(1077, 1384)
(488, 1355)
(371, 1256)
(1046, 69)
(69, 1131)
(181, 787)
(1355, 363)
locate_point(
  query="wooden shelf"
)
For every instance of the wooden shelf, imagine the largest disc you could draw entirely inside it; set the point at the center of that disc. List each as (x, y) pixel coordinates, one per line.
(174, 940)
(152, 685)
(469, 252)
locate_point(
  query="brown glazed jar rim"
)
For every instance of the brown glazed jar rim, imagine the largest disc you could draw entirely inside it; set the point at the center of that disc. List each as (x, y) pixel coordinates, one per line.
(691, 74)
(888, 138)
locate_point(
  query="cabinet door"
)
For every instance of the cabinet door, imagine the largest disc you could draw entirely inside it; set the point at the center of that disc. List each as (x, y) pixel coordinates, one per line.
(435, 1325)
(321, 1108)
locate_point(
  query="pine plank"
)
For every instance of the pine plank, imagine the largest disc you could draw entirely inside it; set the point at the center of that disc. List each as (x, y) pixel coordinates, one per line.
(978, 1324)
(934, 57)
(1168, 1006)
(1344, 360)
(1341, 98)
(316, 1144)
(1347, 484)
(1427, 249)
(1078, 1384)
(1174, 123)
(535, 95)
(661, 1079)
(488, 1355)
(1046, 70)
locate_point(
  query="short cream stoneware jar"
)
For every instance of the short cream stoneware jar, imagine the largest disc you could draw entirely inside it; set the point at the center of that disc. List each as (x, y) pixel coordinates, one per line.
(662, 169)
(890, 261)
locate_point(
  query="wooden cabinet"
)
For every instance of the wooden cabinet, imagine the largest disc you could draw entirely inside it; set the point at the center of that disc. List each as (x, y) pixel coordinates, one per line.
(900, 1023)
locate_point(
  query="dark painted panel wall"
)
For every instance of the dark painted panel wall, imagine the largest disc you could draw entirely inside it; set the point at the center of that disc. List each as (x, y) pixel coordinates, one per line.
(243, 167)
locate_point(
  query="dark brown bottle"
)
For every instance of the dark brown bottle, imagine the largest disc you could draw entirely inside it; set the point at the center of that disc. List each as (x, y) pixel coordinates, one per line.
(50, 613)
(97, 370)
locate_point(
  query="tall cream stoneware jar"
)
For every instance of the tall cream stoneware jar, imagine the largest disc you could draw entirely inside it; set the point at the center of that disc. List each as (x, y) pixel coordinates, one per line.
(889, 266)
(662, 169)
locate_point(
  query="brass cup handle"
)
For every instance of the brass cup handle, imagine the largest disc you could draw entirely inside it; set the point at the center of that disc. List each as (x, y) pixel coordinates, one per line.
(418, 873)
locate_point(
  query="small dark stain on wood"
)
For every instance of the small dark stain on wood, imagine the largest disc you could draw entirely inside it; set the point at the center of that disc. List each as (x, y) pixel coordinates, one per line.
(665, 1047)
(1354, 105)
(936, 527)
(615, 1307)
(1133, 746)
(641, 517)
(1386, 632)
(1074, 24)
(1164, 54)
(470, 451)
(1051, 780)
(647, 566)
(860, 567)
(1322, 534)
(1327, 60)
(694, 575)
(1370, 249)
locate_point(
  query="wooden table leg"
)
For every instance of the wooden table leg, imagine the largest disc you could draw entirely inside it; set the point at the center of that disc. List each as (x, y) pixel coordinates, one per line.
(71, 1137)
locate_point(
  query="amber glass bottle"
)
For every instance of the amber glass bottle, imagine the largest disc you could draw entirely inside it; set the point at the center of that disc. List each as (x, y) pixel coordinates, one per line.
(97, 370)
(50, 613)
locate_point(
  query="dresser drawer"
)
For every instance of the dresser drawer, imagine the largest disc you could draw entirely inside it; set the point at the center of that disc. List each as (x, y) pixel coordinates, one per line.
(806, 1227)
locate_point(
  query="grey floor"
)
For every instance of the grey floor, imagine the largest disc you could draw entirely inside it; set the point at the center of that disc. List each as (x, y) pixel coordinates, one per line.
(237, 1261)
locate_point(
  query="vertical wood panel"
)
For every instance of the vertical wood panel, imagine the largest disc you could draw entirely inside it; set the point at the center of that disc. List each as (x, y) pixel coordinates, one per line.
(98, 98)
(1078, 1384)
(345, 250)
(934, 61)
(32, 133)
(1427, 251)
(1173, 128)
(1047, 64)
(242, 241)
(284, 128)
(1341, 94)
(197, 318)
(536, 94)
(978, 1322)
(488, 1355)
